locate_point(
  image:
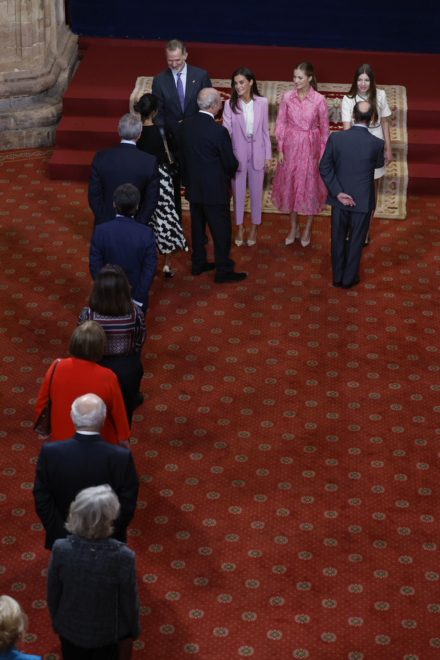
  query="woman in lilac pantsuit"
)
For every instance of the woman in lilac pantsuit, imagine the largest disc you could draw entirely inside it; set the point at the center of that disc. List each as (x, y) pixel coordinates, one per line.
(246, 116)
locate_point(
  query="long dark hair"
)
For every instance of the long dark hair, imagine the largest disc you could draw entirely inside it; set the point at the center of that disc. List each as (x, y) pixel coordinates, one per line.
(372, 92)
(308, 69)
(111, 293)
(247, 73)
(146, 105)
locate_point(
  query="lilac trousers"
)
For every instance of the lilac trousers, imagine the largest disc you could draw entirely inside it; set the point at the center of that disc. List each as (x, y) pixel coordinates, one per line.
(255, 189)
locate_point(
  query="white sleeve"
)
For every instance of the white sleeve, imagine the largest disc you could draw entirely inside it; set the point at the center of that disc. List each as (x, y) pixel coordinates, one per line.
(347, 108)
(384, 108)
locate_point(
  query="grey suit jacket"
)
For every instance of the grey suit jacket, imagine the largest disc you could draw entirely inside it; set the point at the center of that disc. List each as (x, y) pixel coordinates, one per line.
(164, 87)
(348, 165)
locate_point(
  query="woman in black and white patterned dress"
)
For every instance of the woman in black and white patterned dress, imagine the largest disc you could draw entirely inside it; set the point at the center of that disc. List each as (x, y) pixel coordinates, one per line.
(165, 221)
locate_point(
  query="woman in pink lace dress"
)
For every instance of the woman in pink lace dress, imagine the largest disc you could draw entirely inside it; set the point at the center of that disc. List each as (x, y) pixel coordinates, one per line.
(302, 130)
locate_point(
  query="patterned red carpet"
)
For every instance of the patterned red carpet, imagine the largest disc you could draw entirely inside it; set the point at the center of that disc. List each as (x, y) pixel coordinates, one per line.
(288, 449)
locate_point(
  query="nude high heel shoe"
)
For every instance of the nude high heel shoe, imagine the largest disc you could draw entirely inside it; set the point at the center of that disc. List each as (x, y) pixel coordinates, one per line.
(289, 241)
(305, 243)
(250, 243)
(238, 242)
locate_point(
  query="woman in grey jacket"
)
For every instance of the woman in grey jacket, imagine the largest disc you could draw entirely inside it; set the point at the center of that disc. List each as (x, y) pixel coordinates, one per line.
(91, 582)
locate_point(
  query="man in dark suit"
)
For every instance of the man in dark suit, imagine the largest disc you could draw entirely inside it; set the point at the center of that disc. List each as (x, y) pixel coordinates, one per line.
(347, 169)
(123, 164)
(207, 160)
(126, 243)
(177, 88)
(67, 467)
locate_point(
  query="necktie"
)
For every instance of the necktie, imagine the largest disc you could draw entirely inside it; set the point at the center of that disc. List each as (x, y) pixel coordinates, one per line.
(180, 93)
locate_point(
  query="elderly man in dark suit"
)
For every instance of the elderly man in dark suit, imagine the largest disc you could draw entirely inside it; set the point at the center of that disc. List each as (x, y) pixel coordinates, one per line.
(67, 467)
(207, 160)
(126, 243)
(347, 169)
(123, 164)
(177, 88)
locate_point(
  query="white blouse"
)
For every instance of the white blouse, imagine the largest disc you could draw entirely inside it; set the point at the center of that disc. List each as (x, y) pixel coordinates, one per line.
(248, 112)
(383, 110)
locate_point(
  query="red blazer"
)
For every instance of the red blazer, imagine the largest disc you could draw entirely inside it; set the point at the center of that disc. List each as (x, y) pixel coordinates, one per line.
(74, 378)
(262, 148)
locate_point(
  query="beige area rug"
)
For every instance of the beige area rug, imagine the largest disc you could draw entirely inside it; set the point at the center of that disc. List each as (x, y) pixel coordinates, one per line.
(392, 187)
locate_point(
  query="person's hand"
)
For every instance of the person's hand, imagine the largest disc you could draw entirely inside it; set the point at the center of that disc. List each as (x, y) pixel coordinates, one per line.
(280, 157)
(124, 443)
(345, 199)
(388, 157)
(267, 164)
(45, 438)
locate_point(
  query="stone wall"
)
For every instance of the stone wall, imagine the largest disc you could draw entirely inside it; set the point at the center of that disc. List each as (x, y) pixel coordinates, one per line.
(38, 56)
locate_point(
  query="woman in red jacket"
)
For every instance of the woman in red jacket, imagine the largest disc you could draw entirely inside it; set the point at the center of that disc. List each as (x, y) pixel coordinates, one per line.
(78, 375)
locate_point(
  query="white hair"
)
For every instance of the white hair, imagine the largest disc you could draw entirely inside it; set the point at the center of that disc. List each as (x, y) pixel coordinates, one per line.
(129, 127)
(206, 98)
(88, 412)
(13, 622)
(93, 512)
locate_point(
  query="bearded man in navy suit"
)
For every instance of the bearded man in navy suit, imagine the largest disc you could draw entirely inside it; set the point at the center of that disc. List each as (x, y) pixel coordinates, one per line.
(177, 88)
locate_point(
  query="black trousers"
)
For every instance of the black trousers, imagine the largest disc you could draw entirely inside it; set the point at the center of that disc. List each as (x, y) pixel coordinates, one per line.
(346, 255)
(129, 370)
(218, 217)
(71, 652)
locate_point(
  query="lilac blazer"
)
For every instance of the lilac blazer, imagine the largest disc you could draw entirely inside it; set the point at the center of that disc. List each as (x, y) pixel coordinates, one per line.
(262, 148)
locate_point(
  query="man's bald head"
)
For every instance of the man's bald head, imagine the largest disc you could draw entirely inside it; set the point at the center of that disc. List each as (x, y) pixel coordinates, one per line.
(209, 100)
(88, 413)
(363, 112)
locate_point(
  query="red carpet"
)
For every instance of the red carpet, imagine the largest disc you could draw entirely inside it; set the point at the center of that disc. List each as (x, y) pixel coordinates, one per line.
(288, 450)
(99, 92)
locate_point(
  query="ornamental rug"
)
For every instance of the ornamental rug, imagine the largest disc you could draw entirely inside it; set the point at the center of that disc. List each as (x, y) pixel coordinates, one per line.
(287, 450)
(392, 187)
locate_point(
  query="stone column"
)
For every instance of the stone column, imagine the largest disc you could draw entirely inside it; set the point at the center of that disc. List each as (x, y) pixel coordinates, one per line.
(38, 56)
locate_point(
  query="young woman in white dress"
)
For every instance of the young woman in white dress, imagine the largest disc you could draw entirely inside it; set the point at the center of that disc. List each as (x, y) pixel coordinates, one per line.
(364, 89)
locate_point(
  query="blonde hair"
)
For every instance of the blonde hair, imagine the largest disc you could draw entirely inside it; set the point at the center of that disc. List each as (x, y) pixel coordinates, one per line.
(13, 622)
(93, 512)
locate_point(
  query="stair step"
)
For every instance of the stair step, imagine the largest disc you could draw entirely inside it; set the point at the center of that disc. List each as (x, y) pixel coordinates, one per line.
(423, 113)
(424, 179)
(91, 133)
(71, 164)
(424, 145)
(82, 100)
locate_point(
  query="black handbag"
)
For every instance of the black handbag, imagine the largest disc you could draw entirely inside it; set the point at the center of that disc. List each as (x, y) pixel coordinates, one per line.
(172, 163)
(42, 425)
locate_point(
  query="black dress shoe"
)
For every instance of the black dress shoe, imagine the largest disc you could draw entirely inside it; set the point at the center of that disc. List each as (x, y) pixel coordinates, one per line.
(206, 239)
(139, 400)
(230, 277)
(356, 280)
(336, 284)
(206, 268)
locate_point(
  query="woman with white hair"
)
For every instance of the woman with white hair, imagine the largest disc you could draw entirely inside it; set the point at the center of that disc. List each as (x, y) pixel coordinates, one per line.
(13, 623)
(91, 582)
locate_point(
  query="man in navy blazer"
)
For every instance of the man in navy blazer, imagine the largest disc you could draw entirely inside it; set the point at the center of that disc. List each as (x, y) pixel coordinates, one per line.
(177, 88)
(123, 164)
(347, 169)
(65, 468)
(126, 243)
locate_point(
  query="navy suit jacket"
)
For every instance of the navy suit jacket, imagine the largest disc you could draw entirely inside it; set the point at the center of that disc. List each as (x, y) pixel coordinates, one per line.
(348, 165)
(67, 467)
(124, 242)
(206, 159)
(115, 166)
(164, 87)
